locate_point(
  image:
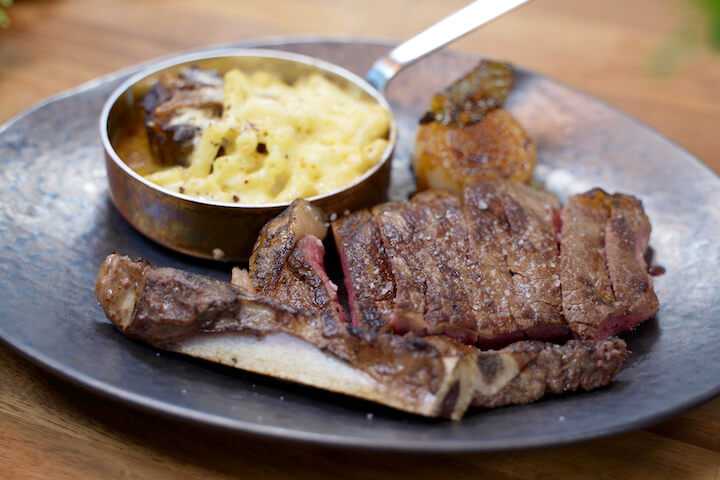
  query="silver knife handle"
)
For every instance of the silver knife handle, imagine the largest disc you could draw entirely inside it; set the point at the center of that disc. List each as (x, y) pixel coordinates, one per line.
(445, 31)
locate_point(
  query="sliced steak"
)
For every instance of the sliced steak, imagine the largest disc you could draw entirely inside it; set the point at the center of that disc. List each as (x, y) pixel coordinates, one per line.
(277, 240)
(526, 371)
(177, 108)
(395, 221)
(287, 262)
(423, 243)
(606, 287)
(484, 271)
(217, 321)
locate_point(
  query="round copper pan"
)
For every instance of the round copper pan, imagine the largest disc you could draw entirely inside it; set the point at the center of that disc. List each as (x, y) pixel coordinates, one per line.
(211, 229)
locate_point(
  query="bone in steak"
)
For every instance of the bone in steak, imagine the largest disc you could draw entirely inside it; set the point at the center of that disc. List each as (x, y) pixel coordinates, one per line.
(220, 322)
(484, 270)
(431, 376)
(606, 285)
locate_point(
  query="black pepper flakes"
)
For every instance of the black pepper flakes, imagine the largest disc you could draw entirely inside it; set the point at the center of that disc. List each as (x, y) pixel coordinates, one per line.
(235, 198)
(261, 148)
(181, 190)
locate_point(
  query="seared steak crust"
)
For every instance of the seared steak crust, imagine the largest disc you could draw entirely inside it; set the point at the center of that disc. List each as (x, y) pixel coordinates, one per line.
(277, 240)
(606, 287)
(425, 246)
(287, 262)
(526, 371)
(451, 284)
(512, 225)
(483, 269)
(369, 281)
(303, 284)
(396, 224)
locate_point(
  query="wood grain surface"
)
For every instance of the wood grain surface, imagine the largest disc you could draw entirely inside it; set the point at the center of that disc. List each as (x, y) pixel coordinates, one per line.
(53, 430)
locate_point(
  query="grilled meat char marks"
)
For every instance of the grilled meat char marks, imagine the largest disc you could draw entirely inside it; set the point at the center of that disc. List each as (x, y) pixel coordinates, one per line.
(287, 261)
(369, 281)
(606, 287)
(423, 243)
(512, 231)
(483, 270)
(451, 287)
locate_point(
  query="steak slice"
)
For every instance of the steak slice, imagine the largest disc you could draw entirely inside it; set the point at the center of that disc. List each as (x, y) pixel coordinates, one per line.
(451, 284)
(425, 244)
(627, 236)
(369, 281)
(287, 262)
(277, 240)
(303, 283)
(217, 321)
(512, 229)
(526, 371)
(177, 108)
(606, 286)
(406, 258)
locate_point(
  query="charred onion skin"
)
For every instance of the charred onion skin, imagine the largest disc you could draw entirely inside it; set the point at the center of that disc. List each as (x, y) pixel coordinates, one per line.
(467, 100)
(466, 136)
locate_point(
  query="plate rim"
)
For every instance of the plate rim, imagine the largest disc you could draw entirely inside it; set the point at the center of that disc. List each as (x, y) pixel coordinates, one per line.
(242, 427)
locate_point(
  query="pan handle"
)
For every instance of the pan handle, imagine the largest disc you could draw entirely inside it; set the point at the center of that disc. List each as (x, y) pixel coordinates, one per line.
(446, 31)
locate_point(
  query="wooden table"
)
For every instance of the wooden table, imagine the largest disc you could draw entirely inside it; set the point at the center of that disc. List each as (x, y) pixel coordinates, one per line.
(49, 429)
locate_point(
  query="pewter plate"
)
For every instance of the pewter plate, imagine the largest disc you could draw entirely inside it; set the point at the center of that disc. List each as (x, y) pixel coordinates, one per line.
(57, 224)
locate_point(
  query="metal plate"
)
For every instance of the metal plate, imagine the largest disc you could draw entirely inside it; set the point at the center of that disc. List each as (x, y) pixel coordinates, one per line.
(57, 224)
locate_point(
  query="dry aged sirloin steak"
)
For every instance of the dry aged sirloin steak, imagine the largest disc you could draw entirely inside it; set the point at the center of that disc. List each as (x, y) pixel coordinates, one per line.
(282, 318)
(489, 269)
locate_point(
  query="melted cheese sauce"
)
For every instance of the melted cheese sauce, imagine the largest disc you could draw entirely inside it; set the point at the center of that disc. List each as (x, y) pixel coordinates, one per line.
(276, 142)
